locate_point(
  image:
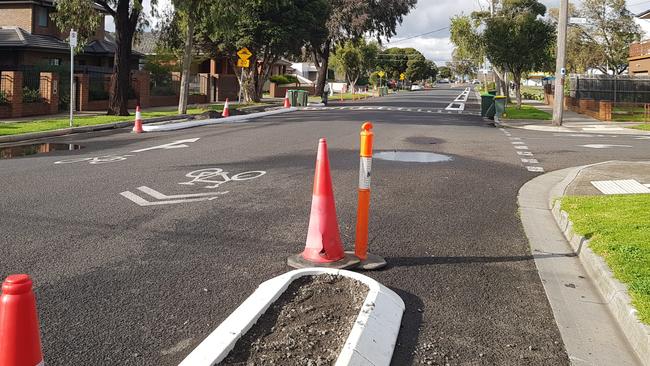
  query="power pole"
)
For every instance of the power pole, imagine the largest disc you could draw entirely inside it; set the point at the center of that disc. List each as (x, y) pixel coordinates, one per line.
(558, 100)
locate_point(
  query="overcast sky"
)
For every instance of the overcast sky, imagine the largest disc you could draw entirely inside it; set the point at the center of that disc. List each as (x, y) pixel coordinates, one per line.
(430, 15)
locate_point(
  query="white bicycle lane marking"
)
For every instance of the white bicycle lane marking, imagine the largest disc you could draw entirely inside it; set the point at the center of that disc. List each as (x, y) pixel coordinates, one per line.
(104, 159)
(213, 177)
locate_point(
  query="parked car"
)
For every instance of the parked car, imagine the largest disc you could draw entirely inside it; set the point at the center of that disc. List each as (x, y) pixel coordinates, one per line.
(476, 82)
(416, 87)
(443, 81)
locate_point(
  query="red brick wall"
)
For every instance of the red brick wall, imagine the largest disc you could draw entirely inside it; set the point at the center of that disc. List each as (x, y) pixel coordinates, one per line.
(19, 15)
(35, 109)
(279, 91)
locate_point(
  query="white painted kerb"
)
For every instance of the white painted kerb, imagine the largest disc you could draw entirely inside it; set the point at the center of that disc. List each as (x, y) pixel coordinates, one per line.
(214, 121)
(371, 340)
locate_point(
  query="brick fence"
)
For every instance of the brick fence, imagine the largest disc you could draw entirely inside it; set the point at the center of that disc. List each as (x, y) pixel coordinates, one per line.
(12, 83)
(599, 109)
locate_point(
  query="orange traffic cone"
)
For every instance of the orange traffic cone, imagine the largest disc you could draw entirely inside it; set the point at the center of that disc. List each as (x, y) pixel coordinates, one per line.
(287, 103)
(324, 247)
(137, 128)
(20, 341)
(226, 109)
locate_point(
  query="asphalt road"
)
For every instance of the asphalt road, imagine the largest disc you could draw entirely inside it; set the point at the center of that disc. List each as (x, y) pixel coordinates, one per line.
(121, 283)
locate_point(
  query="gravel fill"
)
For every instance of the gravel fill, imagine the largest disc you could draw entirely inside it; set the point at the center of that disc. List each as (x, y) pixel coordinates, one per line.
(306, 326)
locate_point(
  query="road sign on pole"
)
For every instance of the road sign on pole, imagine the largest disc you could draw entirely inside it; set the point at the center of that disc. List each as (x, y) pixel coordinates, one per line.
(73, 44)
(243, 63)
(381, 74)
(244, 53)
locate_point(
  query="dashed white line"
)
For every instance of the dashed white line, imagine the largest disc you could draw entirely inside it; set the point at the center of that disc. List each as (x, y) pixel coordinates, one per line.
(537, 169)
(521, 147)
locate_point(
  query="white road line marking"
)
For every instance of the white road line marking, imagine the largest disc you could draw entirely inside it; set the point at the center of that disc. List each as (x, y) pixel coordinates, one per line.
(642, 137)
(625, 186)
(530, 161)
(602, 146)
(157, 195)
(524, 153)
(517, 142)
(172, 145)
(142, 202)
(514, 138)
(535, 169)
(521, 147)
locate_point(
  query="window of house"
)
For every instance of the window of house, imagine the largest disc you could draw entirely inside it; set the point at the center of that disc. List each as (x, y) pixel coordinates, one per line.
(43, 15)
(54, 61)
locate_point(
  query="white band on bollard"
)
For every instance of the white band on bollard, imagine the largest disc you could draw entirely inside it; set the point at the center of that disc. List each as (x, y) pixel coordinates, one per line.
(365, 166)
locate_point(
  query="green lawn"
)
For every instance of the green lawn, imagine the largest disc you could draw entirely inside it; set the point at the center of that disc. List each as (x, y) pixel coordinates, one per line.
(39, 125)
(337, 96)
(619, 231)
(644, 127)
(526, 112)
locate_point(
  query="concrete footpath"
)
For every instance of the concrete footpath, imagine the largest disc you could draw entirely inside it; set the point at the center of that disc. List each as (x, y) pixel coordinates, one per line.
(591, 324)
(573, 122)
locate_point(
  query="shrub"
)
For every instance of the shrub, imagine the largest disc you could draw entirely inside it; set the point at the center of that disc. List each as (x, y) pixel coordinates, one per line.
(283, 79)
(4, 98)
(31, 95)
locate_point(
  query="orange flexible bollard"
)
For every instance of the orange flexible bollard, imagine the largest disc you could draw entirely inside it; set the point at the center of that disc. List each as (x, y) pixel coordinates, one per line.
(368, 261)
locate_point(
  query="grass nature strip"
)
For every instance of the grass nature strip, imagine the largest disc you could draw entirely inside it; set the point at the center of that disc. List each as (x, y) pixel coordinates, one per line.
(618, 229)
(50, 124)
(526, 112)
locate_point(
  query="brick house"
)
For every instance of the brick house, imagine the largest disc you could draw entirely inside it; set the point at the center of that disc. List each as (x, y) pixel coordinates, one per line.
(28, 36)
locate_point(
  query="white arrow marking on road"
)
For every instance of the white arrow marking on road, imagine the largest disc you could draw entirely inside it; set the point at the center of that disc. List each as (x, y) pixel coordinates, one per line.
(603, 146)
(157, 195)
(142, 202)
(172, 145)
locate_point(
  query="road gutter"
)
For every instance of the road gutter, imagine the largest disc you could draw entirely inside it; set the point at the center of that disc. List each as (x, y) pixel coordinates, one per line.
(589, 326)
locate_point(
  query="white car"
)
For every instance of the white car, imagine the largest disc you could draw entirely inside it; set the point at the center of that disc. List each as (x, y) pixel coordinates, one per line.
(416, 87)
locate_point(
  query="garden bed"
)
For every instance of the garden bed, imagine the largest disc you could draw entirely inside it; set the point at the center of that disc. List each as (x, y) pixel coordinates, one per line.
(308, 324)
(339, 318)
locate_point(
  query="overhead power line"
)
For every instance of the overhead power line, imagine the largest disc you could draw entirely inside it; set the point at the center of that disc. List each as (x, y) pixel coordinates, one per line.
(419, 35)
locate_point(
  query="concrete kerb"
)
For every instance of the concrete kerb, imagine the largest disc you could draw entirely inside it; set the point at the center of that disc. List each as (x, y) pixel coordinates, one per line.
(615, 292)
(205, 122)
(533, 125)
(370, 342)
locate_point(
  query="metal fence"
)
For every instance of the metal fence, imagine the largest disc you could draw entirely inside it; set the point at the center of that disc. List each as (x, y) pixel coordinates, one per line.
(163, 85)
(5, 94)
(618, 89)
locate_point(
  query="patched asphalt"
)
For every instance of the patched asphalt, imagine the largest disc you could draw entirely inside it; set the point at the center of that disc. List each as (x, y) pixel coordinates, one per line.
(118, 283)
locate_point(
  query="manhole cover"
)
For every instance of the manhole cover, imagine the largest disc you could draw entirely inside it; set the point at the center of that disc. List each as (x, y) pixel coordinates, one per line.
(8, 152)
(412, 156)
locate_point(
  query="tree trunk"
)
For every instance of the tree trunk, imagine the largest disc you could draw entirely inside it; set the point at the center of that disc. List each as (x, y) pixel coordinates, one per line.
(323, 56)
(517, 89)
(118, 99)
(187, 63)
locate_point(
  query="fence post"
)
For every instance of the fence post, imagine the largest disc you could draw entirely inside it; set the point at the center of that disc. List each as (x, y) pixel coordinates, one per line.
(83, 93)
(605, 110)
(50, 90)
(142, 82)
(13, 86)
(204, 83)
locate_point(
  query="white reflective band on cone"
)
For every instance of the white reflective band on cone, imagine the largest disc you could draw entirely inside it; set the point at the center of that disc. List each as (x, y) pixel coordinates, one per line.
(138, 115)
(365, 166)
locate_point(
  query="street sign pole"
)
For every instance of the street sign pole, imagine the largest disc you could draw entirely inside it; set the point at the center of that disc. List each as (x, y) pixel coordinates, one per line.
(243, 62)
(73, 44)
(558, 97)
(241, 84)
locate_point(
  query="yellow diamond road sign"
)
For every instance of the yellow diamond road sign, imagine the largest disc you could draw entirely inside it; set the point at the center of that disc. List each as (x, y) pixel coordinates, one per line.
(244, 53)
(401, 76)
(381, 74)
(243, 63)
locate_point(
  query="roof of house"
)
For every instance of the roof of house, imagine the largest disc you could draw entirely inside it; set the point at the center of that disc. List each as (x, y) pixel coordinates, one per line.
(644, 15)
(47, 3)
(18, 38)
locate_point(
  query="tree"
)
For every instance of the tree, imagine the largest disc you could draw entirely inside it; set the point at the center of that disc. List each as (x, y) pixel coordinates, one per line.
(468, 43)
(394, 61)
(604, 42)
(417, 69)
(356, 59)
(127, 15)
(178, 34)
(517, 40)
(351, 19)
(444, 72)
(270, 29)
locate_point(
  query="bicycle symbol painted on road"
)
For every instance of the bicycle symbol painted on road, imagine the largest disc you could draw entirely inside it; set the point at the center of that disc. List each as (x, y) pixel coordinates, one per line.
(216, 177)
(96, 160)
